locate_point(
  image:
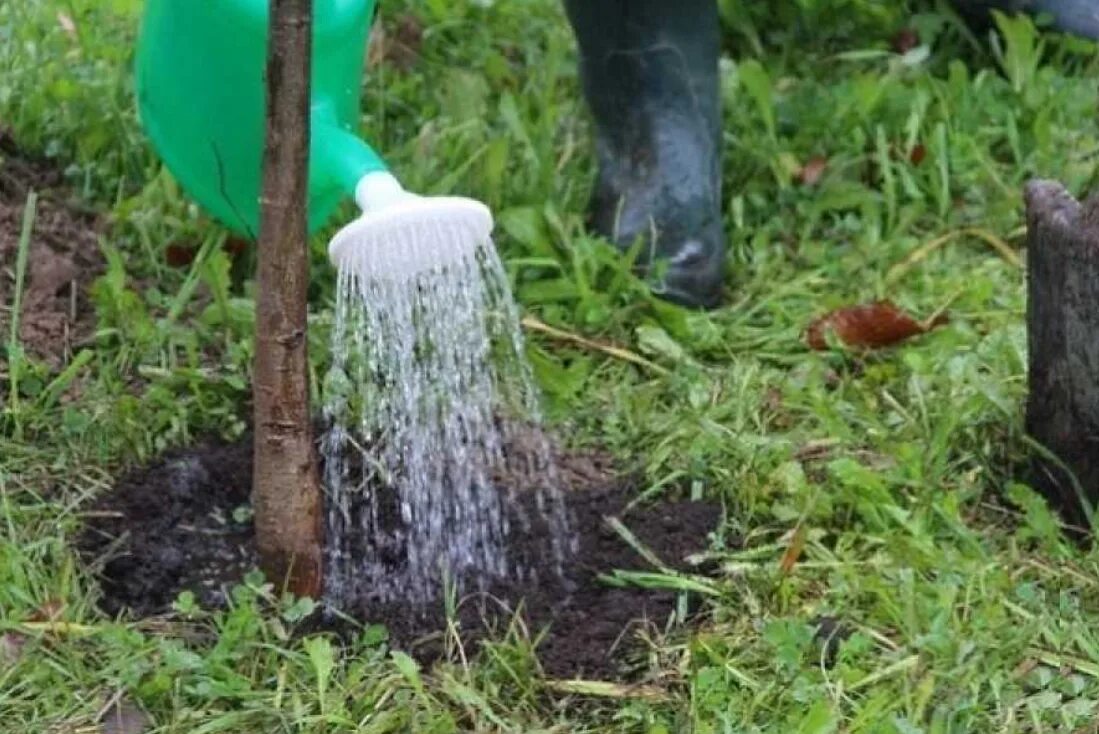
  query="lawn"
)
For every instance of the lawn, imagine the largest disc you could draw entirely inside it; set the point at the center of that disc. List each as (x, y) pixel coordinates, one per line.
(877, 499)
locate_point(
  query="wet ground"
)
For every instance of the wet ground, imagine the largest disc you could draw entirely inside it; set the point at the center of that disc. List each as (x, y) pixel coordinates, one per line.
(182, 523)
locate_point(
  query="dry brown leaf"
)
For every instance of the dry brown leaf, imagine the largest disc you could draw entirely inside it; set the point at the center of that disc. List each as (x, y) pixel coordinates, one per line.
(50, 611)
(235, 246)
(917, 154)
(905, 40)
(811, 173)
(868, 326)
(179, 256)
(794, 550)
(816, 450)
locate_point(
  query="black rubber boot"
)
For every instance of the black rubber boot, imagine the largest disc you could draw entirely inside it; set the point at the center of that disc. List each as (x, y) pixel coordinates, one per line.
(650, 76)
(1079, 17)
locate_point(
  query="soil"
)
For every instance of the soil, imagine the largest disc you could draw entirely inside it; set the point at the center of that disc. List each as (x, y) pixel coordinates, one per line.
(62, 261)
(177, 525)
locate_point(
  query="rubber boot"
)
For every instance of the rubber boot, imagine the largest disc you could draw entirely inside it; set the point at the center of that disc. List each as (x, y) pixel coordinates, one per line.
(650, 77)
(1078, 17)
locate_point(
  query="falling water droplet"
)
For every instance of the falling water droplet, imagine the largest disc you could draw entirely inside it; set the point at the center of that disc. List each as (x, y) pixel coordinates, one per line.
(424, 401)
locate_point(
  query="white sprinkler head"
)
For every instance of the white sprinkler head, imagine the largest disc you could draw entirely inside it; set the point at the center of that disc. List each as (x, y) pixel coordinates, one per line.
(400, 234)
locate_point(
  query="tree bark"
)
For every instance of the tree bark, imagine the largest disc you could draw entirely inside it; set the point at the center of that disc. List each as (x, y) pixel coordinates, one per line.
(286, 491)
(1063, 332)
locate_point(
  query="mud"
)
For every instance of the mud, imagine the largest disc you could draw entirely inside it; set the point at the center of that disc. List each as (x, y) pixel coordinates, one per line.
(57, 316)
(182, 523)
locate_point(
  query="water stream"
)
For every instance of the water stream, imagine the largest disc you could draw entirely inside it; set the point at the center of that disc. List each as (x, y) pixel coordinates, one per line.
(433, 451)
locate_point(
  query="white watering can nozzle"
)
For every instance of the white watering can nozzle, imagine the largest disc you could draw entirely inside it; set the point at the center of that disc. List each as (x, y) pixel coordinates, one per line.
(378, 190)
(400, 234)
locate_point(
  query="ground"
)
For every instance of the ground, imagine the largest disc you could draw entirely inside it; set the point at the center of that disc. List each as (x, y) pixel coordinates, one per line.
(876, 500)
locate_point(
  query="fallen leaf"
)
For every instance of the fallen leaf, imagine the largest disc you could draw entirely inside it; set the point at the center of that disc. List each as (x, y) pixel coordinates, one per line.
(179, 256)
(869, 326)
(917, 154)
(124, 717)
(50, 611)
(66, 22)
(816, 450)
(904, 40)
(914, 155)
(811, 173)
(235, 246)
(793, 551)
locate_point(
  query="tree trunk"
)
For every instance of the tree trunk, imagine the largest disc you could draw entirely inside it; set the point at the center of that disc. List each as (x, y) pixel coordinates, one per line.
(1063, 332)
(286, 491)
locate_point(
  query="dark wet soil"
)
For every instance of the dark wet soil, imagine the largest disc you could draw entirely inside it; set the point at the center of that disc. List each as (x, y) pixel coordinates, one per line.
(62, 261)
(182, 524)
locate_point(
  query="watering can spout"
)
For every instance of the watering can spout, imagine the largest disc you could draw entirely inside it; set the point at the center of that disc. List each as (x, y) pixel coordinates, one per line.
(337, 157)
(399, 233)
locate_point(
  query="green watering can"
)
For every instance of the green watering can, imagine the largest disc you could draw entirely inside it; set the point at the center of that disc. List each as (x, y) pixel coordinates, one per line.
(201, 100)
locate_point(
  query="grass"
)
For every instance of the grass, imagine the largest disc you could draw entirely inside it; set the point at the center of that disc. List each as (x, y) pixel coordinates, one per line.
(881, 491)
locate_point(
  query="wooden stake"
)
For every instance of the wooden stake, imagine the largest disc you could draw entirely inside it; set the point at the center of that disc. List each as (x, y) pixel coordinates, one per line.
(1063, 332)
(286, 490)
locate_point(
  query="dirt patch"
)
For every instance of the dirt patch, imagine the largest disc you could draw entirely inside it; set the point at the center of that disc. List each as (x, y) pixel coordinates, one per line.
(178, 524)
(62, 261)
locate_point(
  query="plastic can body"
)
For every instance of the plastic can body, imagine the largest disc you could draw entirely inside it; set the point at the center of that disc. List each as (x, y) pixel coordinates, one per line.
(201, 100)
